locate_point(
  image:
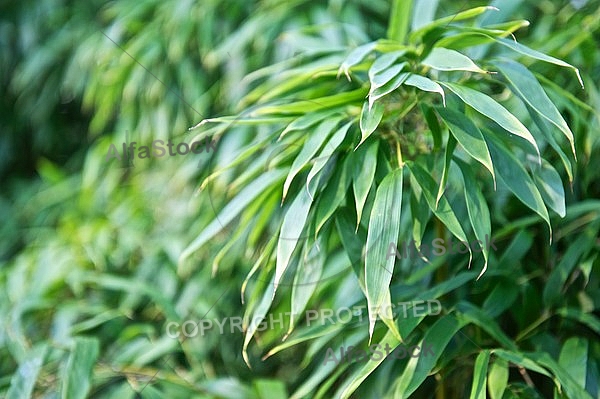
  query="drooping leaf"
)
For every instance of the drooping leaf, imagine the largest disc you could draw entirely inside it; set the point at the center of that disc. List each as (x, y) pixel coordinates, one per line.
(356, 57)
(487, 106)
(364, 172)
(291, 232)
(384, 227)
(516, 178)
(369, 119)
(313, 143)
(479, 214)
(551, 188)
(529, 90)
(231, 211)
(443, 210)
(520, 48)
(444, 59)
(425, 84)
(469, 136)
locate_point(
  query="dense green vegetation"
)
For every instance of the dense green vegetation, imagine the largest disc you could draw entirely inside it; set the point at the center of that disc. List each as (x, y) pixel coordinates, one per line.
(344, 130)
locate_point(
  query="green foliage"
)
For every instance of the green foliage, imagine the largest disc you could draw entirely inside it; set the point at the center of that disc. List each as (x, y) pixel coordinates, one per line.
(355, 125)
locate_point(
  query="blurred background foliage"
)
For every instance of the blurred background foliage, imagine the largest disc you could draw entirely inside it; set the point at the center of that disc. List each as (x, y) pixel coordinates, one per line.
(89, 248)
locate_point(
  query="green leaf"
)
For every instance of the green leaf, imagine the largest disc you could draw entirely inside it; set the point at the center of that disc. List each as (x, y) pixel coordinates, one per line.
(312, 145)
(529, 90)
(469, 136)
(291, 231)
(443, 210)
(447, 160)
(387, 88)
(444, 59)
(498, 378)
(520, 48)
(468, 14)
(496, 112)
(333, 194)
(384, 227)
(521, 359)
(385, 76)
(574, 359)
(587, 319)
(478, 389)
(553, 289)
(357, 379)
(258, 316)
(364, 173)
(307, 277)
(418, 368)
(515, 177)
(78, 372)
(231, 211)
(369, 119)
(425, 84)
(384, 62)
(355, 57)
(479, 214)
(551, 188)
(24, 378)
(328, 150)
(433, 124)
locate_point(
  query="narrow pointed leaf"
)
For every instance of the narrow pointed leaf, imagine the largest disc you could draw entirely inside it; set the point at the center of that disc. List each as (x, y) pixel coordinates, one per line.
(232, 210)
(479, 214)
(78, 372)
(370, 119)
(529, 90)
(356, 57)
(478, 388)
(520, 48)
(425, 84)
(291, 232)
(444, 59)
(443, 210)
(487, 106)
(387, 88)
(364, 173)
(498, 378)
(551, 188)
(447, 160)
(515, 177)
(469, 136)
(313, 143)
(334, 142)
(384, 227)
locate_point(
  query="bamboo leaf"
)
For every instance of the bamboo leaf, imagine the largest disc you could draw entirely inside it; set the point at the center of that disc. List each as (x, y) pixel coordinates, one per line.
(355, 57)
(370, 119)
(496, 112)
(478, 389)
(384, 227)
(78, 372)
(515, 177)
(549, 183)
(444, 59)
(425, 84)
(469, 136)
(364, 173)
(312, 145)
(498, 378)
(529, 90)
(479, 214)
(231, 211)
(291, 231)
